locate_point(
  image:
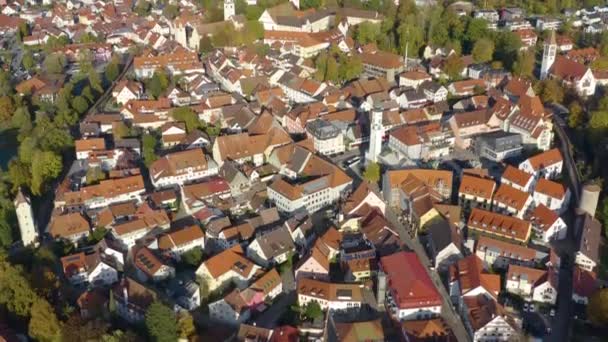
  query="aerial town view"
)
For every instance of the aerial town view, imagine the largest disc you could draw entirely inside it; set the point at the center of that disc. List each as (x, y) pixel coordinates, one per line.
(303, 170)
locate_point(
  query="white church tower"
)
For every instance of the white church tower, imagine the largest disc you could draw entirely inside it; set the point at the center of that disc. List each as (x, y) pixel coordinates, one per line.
(25, 217)
(375, 135)
(229, 10)
(549, 53)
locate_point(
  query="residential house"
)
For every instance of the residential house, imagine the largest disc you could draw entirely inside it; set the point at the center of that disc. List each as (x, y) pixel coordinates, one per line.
(500, 254)
(181, 167)
(225, 267)
(393, 181)
(330, 296)
(132, 299)
(327, 138)
(518, 179)
(510, 201)
(532, 283)
(545, 164)
(498, 146)
(272, 248)
(547, 225)
(486, 320)
(362, 196)
(245, 147)
(584, 285)
(200, 195)
(426, 330)
(466, 87)
(443, 242)
(302, 230)
(382, 64)
(93, 269)
(476, 192)
(587, 254)
(554, 195)
(86, 147)
(494, 224)
(101, 195)
(311, 183)
(126, 90)
(404, 300)
(71, 226)
(413, 78)
(315, 265)
(172, 133)
(140, 225)
(150, 267)
(342, 329)
(470, 278)
(177, 242)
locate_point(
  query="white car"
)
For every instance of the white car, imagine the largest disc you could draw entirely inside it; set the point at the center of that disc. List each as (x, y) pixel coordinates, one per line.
(525, 307)
(552, 313)
(531, 307)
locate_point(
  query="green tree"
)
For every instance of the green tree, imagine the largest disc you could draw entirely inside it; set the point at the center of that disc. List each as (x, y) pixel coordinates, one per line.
(54, 63)
(149, 143)
(372, 173)
(575, 116)
(76, 329)
(95, 81)
(85, 61)
(597, 310)
(350, 67)
(306, 4)
(46, 165)
(143, 8)
(28, 61)
(44, 325)
(185, 324)
(7, 108)
(477, 29)
(160, 323)
(7, 235)
(367, 32)
(5, 83)
(193, 257)
(112, 70)
(453, 66)
(80, 104)
(599, 120)
(171, 11)
(121, 130)
(158, 83)
(313, 310)
(507, 46)
(19, 174)
(23, 120)
(551, 91)
(524, 65)
(205, 45)
(188, 116)
(483, 50)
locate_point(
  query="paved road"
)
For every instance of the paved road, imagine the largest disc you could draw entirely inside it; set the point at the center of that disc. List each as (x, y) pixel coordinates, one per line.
(562, 322)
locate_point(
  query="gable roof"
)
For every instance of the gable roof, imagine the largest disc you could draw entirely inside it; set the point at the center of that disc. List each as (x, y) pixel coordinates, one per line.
(471, 274)
(545, 159)
(408, 280)
(180, 237)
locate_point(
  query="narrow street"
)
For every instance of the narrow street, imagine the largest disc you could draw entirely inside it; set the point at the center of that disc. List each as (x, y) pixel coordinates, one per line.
(562, 322)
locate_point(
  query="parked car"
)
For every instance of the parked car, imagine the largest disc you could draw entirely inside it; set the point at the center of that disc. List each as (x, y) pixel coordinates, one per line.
(552, 313)
(525, 307)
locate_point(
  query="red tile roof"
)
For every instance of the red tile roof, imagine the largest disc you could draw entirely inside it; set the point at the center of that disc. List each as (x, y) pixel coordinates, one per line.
(409, 282)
